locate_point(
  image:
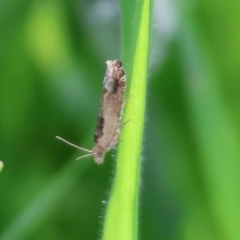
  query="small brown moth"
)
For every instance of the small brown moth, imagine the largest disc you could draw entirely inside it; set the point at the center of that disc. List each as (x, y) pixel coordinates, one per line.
(108, 124)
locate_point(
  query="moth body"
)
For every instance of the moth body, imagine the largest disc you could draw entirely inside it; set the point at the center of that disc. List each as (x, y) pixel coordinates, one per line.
(108, 124)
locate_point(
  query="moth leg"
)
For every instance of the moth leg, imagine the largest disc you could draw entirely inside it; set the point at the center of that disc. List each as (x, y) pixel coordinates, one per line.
(124, 102)
(123, 124)
(116, 135)
(115, 139)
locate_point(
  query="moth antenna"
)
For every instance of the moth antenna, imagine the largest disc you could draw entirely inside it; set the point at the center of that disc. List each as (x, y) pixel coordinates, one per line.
(73, 145)
(87, 155)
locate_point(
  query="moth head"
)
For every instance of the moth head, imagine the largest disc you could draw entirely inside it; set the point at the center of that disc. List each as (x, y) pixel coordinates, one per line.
(98, 154)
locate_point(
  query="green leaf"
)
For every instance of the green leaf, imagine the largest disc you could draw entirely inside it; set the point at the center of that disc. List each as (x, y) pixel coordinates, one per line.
(213, 126)
(122, 212)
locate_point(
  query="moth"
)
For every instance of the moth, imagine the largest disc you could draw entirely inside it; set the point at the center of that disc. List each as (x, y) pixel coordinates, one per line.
(109, 118)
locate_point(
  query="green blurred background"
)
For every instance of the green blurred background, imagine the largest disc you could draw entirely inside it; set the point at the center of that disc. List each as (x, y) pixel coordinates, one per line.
(52, 63)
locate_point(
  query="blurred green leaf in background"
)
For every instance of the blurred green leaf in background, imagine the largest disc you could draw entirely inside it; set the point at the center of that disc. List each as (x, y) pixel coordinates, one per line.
(52, 64)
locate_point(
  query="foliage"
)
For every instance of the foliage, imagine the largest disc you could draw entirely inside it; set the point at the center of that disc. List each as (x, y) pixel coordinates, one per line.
(52, 56)
(122, 211)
